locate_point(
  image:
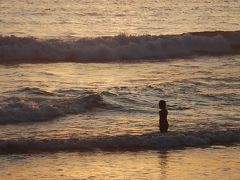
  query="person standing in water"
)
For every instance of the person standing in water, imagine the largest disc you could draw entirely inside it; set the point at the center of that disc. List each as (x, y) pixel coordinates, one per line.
(163, 123)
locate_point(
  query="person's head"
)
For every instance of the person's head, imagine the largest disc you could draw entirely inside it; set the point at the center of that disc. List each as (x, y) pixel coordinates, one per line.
(162, 104)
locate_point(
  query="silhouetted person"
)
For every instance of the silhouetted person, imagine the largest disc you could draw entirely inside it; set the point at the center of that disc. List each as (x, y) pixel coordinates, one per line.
(163, 123)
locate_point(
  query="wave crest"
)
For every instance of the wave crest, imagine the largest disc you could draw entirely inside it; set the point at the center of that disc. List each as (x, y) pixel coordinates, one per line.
(152, 141)
(42, 109)
(118, 48)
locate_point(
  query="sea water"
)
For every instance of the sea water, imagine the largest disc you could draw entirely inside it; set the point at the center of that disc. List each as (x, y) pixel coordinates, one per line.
(81, 80)
(90, 18)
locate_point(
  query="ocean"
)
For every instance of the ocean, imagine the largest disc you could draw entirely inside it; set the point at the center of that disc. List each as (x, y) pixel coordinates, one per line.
(80, 82)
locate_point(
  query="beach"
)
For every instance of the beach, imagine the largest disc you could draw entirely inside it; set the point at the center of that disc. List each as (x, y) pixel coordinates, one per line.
(80, 83)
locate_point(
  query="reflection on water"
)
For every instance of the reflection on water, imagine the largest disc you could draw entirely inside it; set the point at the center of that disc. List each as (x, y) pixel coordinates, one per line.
(163, 162)
(96, 18)
(211, 163)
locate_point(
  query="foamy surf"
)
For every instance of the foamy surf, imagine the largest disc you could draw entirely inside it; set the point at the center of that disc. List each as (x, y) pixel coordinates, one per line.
(118, 48)
(34, 109)
(150, 141)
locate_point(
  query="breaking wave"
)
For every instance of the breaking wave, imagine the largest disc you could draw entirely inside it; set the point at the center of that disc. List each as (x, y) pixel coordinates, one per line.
(118, 48)
(38, 108)
(151, 141)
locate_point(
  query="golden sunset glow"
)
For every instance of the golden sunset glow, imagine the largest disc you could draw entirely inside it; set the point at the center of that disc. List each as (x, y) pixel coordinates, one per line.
(119, 89)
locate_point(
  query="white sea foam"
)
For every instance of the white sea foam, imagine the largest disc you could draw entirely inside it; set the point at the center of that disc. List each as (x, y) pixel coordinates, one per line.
(117, 48)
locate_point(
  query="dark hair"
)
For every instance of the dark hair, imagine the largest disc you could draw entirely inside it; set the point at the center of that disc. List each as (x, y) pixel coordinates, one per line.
(162, 104)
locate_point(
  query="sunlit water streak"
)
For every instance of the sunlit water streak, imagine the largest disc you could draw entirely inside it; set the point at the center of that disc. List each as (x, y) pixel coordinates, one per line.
(74, 18)
(178, 164)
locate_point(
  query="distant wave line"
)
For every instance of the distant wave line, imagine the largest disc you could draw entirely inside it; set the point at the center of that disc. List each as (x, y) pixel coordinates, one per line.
(123, 48)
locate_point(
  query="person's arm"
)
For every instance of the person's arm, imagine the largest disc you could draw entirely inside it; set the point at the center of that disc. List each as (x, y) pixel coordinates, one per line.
(159, 117)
